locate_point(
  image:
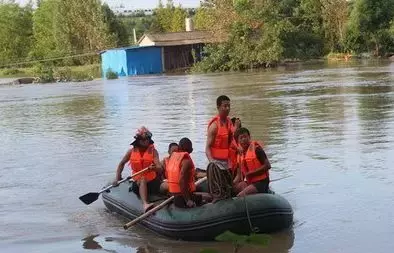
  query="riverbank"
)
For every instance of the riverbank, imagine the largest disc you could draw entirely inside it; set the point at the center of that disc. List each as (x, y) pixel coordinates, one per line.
(45, 74)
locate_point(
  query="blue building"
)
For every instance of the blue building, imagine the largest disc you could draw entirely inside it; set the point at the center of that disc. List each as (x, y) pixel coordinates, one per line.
(131, 61)
(157, 53)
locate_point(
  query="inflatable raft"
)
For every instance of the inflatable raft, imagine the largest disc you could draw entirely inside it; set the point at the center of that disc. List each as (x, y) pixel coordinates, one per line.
(267, 213)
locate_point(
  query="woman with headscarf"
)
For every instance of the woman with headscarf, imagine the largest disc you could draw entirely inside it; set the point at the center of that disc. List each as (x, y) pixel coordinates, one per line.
(142, 155)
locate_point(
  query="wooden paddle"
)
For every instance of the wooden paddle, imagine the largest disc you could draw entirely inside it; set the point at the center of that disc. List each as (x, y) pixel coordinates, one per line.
(156, 208)
(93, 196)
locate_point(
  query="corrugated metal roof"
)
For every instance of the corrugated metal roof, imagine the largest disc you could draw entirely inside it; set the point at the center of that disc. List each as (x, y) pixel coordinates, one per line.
(174, 36)
(178, 38)
(124, 48)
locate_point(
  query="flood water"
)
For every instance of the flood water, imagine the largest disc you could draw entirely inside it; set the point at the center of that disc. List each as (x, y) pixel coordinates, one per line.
(329, 127)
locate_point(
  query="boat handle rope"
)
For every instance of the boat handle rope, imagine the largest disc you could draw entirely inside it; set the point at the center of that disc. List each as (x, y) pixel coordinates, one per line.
(252, 229)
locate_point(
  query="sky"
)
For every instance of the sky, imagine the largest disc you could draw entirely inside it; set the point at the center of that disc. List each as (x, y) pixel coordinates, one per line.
(140, 4)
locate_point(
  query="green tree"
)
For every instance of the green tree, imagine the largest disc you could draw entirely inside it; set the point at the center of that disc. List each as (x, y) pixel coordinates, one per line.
(178, 20)
(115, 26)
(45, 43)
(15, 31)
(369, 26)
(203, 18)
(72, 27)
(255, 33)
(168, 18)
(164, 17)
(334, 16)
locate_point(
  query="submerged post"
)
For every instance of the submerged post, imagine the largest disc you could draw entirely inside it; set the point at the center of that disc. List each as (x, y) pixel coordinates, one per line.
(135, 36)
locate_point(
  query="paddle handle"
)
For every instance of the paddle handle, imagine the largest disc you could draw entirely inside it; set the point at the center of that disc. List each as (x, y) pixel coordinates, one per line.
(131, 223)
(164, 203)
(110, 186)
(125, 179)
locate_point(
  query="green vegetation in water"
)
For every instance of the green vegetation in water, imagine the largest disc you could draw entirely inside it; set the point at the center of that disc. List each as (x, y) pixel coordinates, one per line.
(239, 241)
(111, 74)
(16, 72)
(48, 73)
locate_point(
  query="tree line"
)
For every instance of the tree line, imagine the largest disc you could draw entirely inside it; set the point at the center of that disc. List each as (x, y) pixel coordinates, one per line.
(254, 33)
(72, 32)
(264, 32)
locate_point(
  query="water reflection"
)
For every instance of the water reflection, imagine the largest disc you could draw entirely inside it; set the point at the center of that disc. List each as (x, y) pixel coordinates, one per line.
(375, 105)
(91, 244)
(280, 242)
(83, 115)
(146, 249)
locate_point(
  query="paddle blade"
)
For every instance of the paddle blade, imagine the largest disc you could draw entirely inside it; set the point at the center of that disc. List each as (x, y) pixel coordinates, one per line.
(89, 197)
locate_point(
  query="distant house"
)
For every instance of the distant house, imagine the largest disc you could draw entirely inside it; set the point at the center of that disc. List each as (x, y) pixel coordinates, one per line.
(158, 53)
(179, 49)
(131, 61)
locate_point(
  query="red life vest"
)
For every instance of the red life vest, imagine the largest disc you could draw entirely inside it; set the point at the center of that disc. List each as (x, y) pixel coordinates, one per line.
(220, 147)
(250, 162)
(174, 172)
(139, 162)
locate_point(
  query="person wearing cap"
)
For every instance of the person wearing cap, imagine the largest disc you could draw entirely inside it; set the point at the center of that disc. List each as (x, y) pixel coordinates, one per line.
(142, 155)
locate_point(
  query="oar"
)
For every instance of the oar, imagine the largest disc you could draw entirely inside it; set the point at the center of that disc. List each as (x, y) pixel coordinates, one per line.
(93, 196)
(153, 210)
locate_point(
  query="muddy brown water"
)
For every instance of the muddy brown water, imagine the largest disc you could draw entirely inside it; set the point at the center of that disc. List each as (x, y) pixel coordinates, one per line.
(329, 127)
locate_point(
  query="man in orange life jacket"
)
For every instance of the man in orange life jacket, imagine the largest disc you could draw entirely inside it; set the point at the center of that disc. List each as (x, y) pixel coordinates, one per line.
(171, 149)
(181, 173)
(219, 137)
(141, 156)
(219, 133)
(254, 165)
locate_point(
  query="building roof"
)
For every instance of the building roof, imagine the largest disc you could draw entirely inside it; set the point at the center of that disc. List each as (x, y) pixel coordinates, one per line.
(132, 47)
(175, 38)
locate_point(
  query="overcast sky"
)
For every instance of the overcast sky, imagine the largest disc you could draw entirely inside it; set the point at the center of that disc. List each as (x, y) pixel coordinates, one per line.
(140, 4)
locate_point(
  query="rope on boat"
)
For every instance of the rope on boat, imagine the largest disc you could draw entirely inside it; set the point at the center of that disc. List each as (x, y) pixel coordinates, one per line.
(219, 182)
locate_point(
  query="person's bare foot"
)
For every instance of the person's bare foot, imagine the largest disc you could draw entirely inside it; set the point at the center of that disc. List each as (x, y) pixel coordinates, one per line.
(147, 207)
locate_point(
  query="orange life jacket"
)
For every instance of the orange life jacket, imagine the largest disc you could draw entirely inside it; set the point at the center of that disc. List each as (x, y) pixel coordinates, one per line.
(233, 156)
(166, 160)
(249, 163)
(220, 147)
(174, 172)
(139, 162)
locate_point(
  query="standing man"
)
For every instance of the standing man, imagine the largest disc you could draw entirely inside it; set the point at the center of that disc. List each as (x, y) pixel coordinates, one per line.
(219, 137)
